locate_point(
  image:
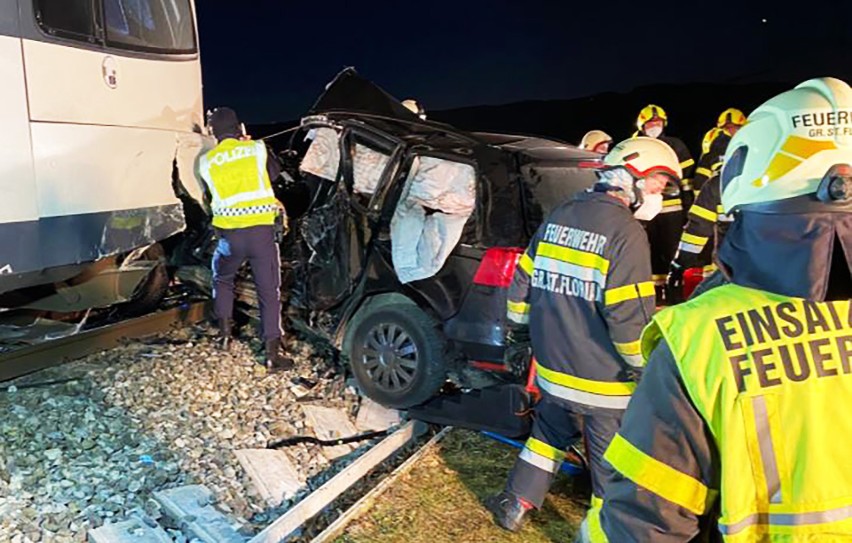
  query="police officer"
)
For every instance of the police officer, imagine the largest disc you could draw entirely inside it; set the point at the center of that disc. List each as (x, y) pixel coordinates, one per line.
(583, 286)
(706, 222)
(664, 231)
(741, 406)
(596, 141)
(237, 174)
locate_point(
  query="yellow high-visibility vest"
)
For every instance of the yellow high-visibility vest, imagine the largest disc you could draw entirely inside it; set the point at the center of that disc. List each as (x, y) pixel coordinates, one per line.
(242, 196)
(772, 377)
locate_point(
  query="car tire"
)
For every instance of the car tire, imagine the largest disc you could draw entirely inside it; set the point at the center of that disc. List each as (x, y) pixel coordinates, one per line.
(397, 355)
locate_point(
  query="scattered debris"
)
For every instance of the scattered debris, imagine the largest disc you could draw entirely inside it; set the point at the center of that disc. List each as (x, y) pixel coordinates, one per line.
(272, 474)
(329, 424)
(372, 416)
(191, 509)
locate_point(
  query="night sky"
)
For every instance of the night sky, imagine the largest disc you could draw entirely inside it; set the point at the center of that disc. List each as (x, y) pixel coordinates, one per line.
(270, 59)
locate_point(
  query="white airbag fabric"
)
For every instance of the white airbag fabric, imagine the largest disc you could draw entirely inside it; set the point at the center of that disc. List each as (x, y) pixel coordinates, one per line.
(323, 156)
(438, 198)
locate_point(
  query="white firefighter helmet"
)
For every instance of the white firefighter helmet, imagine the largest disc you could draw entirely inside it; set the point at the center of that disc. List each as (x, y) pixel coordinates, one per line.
(414, 107)
(642, 156)
(789, 144)
(593, 138)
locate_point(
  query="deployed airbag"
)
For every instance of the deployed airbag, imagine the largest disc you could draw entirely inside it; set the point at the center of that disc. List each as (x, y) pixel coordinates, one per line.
(323, 156)
(368, 166)
(438, 198)
(323, 160)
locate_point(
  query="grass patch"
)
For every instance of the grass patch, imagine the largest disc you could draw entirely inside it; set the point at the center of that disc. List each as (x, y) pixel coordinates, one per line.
(441, 500)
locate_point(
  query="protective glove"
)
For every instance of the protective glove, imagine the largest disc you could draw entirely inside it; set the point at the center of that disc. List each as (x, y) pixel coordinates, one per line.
(674, 285)
(281, 226)
(635, 374)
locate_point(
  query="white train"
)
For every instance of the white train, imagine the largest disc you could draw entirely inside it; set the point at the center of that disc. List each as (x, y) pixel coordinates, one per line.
(100, 104)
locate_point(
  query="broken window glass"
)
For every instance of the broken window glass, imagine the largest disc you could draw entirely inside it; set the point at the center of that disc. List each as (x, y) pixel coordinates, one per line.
(438, 198)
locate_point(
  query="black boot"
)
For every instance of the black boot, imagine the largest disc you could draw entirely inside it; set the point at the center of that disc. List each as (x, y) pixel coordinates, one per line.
(275, 359)
(226, 337)
(508, 510)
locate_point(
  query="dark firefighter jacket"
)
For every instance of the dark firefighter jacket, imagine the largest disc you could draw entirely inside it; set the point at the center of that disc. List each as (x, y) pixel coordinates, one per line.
(712, 152)
(687, 163)
(584, 287)
(706, 222)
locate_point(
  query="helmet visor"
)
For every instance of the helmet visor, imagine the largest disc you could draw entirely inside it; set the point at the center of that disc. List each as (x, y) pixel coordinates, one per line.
(733, 167)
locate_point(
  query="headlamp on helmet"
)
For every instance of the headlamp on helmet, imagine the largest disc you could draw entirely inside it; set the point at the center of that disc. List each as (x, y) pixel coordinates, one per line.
(836, 185)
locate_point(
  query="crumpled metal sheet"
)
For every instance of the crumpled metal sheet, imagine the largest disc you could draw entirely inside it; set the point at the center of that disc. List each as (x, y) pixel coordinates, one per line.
(51, 242)
(38, 330)
(124, 230)
(326, 233)
(109, 286)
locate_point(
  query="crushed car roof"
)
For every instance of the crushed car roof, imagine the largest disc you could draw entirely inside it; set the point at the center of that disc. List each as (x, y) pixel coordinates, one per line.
(352, 97)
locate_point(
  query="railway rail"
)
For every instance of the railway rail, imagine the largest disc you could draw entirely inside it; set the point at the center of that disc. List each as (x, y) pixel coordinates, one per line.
(28, 359)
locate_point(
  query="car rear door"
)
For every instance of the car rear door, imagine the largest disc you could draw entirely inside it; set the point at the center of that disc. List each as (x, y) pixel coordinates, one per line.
(339, 232)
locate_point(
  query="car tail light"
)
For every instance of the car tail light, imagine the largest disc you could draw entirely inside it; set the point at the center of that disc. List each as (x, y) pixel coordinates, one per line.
(691, 278)
(590, 164)
(498, 266)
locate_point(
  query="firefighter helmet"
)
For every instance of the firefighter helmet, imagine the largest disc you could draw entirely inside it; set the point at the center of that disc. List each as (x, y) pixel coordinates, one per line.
(642, 156)
(593, 138)
(797, 143)
(649, 113)
(731, 115)
(414, 107)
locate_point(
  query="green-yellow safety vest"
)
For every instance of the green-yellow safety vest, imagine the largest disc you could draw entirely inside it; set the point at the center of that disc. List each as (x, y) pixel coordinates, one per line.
(772, 378)
(242, 196)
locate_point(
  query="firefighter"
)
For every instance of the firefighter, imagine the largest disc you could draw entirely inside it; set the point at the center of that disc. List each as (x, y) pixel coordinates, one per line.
(596, 141)
(237, 174)
(706, 223)
(664, 231)
(583, 287)
(739, 410)
(714, 144)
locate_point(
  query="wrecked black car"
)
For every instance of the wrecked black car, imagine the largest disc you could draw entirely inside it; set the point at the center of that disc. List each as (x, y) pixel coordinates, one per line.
(404, 250)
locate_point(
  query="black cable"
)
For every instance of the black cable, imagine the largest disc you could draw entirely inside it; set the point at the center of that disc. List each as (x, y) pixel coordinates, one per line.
(294, 440)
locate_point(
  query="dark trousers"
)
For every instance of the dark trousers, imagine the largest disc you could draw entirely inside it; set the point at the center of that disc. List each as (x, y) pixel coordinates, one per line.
(664, 232)
(257, 245)
(555, 428)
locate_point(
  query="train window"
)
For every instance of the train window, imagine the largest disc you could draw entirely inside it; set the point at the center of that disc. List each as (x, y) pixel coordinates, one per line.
(67, 18)
(164, 26)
